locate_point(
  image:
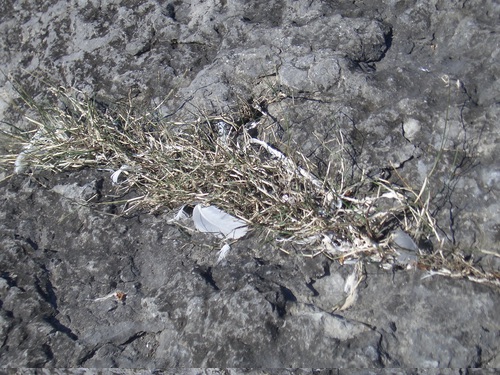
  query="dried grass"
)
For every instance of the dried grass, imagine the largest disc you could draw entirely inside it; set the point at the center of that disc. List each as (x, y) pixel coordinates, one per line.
(218, 160)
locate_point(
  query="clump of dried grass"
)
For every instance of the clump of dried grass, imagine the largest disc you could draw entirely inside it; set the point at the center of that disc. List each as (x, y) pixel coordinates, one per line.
(218, 160)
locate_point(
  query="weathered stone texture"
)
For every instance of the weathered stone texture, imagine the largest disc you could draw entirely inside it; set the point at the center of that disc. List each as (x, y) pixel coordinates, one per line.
(406, 82)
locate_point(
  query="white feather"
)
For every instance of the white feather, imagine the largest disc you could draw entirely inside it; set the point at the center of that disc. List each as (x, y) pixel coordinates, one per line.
(20, 163)
(182, 214)
(116, 174)
(223, 253)
(213, 220)
(350, 282)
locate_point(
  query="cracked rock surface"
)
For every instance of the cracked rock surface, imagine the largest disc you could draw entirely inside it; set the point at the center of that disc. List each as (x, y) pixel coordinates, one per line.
(407, 82)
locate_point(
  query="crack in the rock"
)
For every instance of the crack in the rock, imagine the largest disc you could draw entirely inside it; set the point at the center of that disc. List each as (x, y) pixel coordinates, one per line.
(206, 274)
(312, 288)
(134, 337)
(58, 326)
(47, 292)
(88, 356)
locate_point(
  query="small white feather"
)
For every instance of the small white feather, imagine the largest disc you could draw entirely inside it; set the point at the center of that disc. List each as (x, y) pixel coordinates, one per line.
(182, 214)
(116, 174)
(20, 163)
(223, 253)
(350, 289)
(350, 282)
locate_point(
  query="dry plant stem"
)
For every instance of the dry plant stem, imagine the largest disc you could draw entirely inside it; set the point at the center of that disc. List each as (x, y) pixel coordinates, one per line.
(174, 163)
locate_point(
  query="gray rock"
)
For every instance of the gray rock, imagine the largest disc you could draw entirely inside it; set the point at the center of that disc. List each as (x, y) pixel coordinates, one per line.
(417, 313)
(259, 308)
(412, 86)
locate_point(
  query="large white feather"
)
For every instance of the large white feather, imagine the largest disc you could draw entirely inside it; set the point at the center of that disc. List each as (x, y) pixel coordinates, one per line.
(213, 220)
